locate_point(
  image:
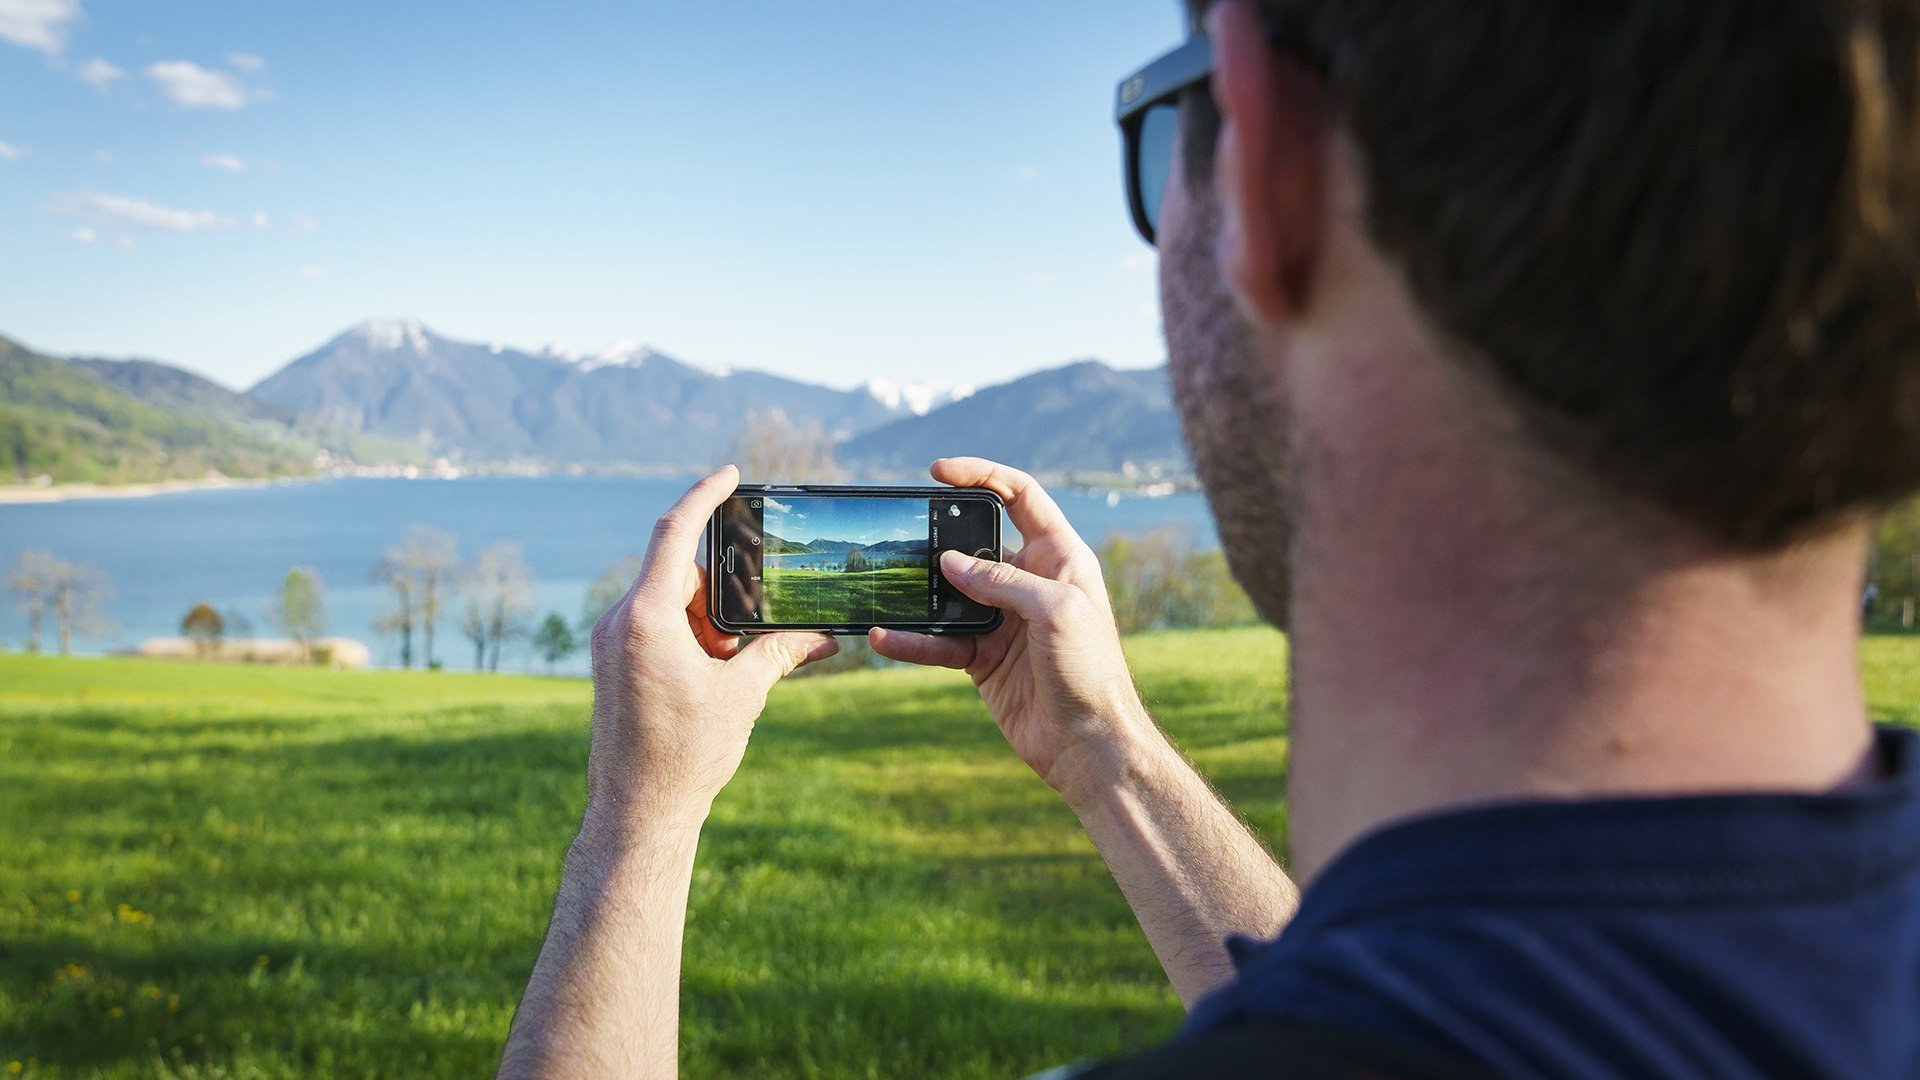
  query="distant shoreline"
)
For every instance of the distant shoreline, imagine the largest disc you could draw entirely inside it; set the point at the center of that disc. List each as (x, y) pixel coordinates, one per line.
(27, 494)
(15, 494)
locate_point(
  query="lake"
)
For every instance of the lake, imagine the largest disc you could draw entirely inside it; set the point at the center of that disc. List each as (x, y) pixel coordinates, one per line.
(232, 547)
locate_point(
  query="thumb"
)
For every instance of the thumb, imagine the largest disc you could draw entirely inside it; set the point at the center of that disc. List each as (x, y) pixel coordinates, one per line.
(1002, 585)
(768, 658)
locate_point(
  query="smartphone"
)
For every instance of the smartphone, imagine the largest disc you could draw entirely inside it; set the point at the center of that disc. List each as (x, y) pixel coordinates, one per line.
(846, 559)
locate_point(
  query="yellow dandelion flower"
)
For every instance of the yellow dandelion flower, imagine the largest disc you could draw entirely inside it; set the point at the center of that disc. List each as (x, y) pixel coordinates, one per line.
(260, 961)
(173, 1002)
(213, 864)
(14, 1067)
(116, 1012)
(153, 991)
(73, 896)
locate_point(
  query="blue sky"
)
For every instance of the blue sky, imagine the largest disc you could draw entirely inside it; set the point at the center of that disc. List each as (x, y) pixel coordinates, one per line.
(859, 521)
(833, 191)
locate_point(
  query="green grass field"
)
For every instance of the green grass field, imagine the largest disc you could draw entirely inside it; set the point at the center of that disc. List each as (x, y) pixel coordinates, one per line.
(896, 594)
(235, 872)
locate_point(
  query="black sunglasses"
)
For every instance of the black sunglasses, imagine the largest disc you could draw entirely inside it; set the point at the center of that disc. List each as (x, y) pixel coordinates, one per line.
(1148, 111)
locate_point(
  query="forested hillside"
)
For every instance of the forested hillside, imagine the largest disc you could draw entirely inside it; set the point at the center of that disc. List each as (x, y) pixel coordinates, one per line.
(178, 390)
(60, 421)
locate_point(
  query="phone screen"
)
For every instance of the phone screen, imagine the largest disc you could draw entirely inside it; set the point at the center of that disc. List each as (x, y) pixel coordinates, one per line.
(795, 559)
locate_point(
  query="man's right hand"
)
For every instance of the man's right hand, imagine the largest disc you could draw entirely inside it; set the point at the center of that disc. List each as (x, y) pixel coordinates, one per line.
(1057, 684)
(1052, 674)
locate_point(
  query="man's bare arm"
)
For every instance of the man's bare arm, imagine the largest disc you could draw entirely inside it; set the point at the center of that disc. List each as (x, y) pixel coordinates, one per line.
(604, 999)
(1189, 867)
(673, 704)
(1056, 681)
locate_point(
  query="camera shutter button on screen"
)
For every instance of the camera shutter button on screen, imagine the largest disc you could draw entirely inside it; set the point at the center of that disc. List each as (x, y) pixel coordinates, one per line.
(987, 554)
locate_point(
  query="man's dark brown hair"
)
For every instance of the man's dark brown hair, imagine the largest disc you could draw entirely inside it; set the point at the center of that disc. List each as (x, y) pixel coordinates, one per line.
(1680, 233)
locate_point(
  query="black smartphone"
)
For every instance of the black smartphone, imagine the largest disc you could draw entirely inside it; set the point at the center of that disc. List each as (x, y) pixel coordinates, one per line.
(846, 559)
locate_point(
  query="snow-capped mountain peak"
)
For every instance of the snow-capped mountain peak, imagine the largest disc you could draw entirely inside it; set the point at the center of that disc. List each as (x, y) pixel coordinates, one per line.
(623, 353)
(391, 335)
(918, 399)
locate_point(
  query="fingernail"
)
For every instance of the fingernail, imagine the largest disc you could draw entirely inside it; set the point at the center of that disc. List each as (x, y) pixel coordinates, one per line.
(823, 649)
(722, 470)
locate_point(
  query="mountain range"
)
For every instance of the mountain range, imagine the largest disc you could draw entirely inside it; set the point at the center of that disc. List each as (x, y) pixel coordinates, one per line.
(142, 422)
(1082, 417)
(395, 391)
(776, 545)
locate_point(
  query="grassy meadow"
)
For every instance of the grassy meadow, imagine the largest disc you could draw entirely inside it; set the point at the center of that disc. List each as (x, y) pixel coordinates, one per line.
(236, 872)
(895, 594)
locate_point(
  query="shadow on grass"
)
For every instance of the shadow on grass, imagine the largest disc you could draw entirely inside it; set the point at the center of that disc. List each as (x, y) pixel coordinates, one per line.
(922, 1026)
(400, 881)
(89, 1009)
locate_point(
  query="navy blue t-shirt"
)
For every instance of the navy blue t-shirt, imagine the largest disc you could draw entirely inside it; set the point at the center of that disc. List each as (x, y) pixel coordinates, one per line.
(1712, 936)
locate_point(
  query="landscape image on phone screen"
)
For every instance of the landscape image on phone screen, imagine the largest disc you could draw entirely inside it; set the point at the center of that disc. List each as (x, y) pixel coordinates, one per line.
(833, 560)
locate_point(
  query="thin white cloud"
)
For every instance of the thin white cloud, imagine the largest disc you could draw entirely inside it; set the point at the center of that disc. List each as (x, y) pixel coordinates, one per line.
(99, 73)
(84, 235)
(301, 224)
(126, 242)
(224, 162)
(1042, 280)
(126, 212)
(259, 219)
(104, 157)
(12, 152)
(775, 504)
(191, 86)
(1138, 260)
(313, 273)
(37, 24)
(1027, 172)
(246, 62)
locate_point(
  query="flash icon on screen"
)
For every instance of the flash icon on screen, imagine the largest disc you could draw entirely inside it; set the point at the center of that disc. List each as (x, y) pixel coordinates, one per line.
(954, 510)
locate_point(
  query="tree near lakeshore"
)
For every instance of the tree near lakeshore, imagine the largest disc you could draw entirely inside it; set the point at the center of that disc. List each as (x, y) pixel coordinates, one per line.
(774, 448)
(1156, 580)
(301, 608)
(31, 583)
(77, 598)
(608, 590)
(419, 572)
(1894, 572)
(205, 628)
(499, 592)
(473, 627)
(554, 640)
(399, 615)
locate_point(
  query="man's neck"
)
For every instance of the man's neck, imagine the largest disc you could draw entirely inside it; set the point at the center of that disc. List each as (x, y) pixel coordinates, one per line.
(1460, 636)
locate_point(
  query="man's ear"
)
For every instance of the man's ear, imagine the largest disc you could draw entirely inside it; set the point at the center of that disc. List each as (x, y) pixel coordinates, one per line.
(1269, 166)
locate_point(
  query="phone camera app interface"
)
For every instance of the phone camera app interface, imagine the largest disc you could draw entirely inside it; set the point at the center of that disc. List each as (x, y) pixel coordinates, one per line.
(826, 560)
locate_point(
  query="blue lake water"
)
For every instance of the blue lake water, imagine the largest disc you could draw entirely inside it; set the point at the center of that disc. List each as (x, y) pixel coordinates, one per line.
(232, 547)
